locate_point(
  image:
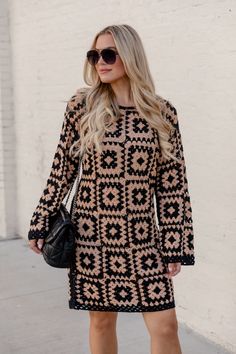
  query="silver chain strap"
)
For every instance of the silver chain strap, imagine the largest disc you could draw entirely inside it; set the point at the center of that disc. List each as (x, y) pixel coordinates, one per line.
(76, 188)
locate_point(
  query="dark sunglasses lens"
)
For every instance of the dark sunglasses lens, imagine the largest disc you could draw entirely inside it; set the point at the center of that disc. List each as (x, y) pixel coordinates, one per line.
(93, 57)
(109, 56)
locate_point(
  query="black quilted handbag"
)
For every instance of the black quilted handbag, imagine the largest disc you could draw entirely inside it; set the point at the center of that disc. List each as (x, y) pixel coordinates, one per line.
(59, 245)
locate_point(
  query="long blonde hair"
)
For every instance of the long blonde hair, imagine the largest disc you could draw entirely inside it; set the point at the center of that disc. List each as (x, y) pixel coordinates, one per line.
(101, 101)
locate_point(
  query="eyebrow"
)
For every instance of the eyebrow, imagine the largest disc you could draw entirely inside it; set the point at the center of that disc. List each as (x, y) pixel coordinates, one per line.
(105, 48)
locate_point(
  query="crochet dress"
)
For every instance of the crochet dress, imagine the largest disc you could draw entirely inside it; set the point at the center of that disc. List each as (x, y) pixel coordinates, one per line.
(122, 252)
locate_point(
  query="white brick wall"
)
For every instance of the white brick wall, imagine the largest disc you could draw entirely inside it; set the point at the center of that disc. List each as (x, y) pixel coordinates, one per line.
(8, 210)
(191, 49)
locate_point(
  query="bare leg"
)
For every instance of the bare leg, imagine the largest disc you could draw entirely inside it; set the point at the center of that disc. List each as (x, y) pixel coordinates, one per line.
(102, 332)
(163, 329)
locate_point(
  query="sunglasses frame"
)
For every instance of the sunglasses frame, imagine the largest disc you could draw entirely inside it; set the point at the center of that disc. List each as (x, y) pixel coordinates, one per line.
(100, 54)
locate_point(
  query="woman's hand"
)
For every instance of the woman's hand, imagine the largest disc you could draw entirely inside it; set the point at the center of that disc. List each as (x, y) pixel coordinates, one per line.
(173, 269)
(36, 245)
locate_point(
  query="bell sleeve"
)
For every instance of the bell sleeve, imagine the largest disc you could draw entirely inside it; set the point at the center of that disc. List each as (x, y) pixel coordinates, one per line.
(174, 210)
(63, 172)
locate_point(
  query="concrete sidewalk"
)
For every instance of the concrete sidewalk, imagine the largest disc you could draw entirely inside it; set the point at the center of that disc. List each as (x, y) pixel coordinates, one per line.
(36, 319)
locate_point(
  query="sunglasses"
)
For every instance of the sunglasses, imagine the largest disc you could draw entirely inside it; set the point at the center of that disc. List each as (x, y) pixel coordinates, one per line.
(108, 55)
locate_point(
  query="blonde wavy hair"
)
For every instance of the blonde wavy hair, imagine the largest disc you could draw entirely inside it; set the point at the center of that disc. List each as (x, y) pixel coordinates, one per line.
(101, 101)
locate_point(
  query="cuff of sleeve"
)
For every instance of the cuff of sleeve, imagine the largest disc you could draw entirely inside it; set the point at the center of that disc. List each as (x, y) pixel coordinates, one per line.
(32, 235)
(184, 260)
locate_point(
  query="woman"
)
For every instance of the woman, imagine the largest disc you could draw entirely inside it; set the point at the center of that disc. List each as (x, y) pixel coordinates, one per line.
(132, 151)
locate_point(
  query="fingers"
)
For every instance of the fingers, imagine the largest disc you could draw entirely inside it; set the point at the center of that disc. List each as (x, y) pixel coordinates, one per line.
(173, 269)
(40, 243)
(36, 245)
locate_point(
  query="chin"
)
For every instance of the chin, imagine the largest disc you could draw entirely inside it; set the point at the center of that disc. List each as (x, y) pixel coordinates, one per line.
(106, 81)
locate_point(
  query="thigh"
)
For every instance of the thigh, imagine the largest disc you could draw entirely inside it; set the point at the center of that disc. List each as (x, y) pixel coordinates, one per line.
(103, 316)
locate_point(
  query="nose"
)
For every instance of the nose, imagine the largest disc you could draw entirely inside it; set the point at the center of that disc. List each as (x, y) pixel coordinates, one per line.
(100, 58)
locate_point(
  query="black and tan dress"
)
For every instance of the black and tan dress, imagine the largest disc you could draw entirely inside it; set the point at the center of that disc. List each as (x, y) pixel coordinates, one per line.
(121, 251)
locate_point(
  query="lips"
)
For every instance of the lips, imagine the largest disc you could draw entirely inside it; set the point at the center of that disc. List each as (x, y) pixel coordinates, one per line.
(104, 71)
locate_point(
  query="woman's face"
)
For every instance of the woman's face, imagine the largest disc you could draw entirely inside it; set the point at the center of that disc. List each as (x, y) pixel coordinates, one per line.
(116, 70)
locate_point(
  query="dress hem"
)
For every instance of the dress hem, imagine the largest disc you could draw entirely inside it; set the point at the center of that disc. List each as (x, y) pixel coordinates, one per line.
(73, 304)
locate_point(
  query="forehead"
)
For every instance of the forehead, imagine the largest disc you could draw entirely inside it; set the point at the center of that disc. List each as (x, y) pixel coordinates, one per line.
(99, 49)
(105, 41)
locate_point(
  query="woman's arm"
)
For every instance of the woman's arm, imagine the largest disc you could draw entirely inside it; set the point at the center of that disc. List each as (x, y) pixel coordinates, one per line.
(173, 200)
(63, 171)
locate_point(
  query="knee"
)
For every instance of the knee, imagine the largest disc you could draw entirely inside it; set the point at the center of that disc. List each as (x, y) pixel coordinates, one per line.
(102, 321)
(169, 329)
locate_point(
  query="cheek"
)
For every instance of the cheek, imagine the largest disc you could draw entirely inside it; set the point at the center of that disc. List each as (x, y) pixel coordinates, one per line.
(119, 67)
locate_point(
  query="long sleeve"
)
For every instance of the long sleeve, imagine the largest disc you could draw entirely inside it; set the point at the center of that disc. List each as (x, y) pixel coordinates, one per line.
(63, 172)
(173, 200)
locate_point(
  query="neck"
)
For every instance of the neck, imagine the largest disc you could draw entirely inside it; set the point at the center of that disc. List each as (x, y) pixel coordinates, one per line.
(122, 91)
